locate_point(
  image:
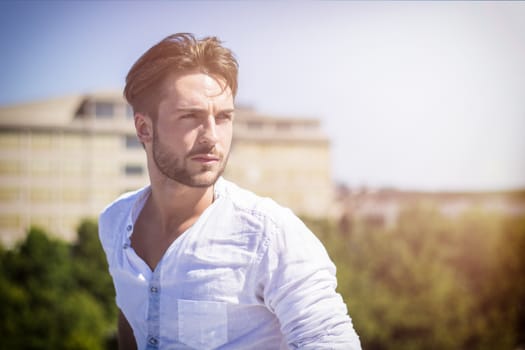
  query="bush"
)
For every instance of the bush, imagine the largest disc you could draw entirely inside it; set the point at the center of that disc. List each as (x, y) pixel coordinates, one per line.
(55, 295)
(433, 282)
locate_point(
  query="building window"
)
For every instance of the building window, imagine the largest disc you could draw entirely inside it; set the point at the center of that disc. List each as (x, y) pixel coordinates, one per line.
(9, 221)
(254, 125)
(10, 167)
(75, 195)
(41, 166)
(42, 142)
(284, 126)
(9, 194)
(41, 195)
(9, 140)
(104, 109)
(133, 170)
(132, 142)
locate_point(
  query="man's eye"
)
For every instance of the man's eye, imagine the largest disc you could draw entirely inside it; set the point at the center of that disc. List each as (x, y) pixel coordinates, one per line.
(224, 116)
(188, 116)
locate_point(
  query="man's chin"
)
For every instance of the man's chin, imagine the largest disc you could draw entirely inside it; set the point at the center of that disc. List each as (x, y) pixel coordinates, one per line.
(203, 180)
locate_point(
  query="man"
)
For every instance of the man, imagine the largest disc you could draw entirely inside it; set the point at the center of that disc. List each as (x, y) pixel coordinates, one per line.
(197, 262)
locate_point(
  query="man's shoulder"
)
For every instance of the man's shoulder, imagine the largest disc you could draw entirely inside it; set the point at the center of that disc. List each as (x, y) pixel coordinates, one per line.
(253, 204)
(123, 203)
(286, 231)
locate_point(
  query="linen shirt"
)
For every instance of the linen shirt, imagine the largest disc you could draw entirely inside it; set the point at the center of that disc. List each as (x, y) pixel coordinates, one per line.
(248, 274)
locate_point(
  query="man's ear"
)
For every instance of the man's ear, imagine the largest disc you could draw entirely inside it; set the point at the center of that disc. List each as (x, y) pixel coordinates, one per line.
(144, 127)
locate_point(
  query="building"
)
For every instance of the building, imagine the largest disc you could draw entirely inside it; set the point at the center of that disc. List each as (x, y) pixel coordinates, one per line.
(382, 207)
(287, 159)
(65, 159)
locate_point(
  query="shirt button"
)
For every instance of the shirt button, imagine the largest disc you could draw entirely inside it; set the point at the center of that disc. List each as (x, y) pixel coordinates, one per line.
(153, 289)
(129, 227)
(153, 341)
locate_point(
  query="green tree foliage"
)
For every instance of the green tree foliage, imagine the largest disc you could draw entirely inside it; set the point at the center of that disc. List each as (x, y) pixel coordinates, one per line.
(431, 281)
(91, 269)
(55, 295)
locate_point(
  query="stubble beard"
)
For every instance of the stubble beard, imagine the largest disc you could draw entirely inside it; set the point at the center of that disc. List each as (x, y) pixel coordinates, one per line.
(177, 169)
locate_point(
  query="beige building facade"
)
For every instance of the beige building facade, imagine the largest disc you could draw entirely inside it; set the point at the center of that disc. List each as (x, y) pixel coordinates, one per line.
(65, 159)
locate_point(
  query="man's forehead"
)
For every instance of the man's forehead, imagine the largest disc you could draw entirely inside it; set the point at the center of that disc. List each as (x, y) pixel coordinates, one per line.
(199, 98)
(198, 85)
(196, 91)
(196, 80)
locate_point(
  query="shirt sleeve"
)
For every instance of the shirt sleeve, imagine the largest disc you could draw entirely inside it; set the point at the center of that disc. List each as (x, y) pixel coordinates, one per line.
(299, 287)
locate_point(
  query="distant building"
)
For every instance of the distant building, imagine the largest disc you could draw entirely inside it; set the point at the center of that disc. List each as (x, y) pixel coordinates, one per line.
(64, 159)
(382, 207)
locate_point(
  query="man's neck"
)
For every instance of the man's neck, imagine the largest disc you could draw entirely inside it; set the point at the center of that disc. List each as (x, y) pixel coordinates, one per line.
(176, 206)
(169, 211)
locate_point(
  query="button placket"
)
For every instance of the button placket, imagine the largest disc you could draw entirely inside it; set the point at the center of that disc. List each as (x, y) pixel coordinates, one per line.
(154, 311)
(127, 244)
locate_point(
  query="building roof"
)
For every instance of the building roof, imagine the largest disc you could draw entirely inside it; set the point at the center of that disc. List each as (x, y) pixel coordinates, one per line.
(51, 112)
(57, 111)
(60, 113)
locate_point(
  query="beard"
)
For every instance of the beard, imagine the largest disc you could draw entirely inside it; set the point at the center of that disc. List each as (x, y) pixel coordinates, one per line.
(178, 168)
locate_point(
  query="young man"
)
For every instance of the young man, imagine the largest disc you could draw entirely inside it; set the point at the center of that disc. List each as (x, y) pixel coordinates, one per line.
(197, 262)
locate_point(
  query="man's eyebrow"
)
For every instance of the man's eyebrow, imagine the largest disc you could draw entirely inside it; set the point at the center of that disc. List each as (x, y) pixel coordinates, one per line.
(200, 110)
(227, 110)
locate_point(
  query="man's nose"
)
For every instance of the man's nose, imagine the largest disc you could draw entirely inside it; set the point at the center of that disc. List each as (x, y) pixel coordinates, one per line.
(209, 131)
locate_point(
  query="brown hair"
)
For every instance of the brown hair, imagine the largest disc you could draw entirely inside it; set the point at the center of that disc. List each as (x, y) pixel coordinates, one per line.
(175, 54)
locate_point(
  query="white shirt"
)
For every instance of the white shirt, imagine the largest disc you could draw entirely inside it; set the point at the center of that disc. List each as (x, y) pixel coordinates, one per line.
(248, 274)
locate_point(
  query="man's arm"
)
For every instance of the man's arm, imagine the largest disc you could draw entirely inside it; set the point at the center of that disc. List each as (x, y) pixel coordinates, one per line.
(126, 339)
(299, 287)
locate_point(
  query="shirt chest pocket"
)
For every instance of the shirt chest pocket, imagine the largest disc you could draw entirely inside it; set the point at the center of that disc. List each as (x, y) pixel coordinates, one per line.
(202, 324)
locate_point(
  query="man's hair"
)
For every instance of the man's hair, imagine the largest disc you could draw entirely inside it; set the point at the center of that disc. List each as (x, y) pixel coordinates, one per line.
(176, 54)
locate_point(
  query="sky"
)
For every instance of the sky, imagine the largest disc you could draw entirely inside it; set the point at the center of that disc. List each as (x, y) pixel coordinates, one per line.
(413, 95)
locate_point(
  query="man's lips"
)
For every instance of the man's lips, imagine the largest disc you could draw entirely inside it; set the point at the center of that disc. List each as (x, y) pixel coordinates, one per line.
(205, 158)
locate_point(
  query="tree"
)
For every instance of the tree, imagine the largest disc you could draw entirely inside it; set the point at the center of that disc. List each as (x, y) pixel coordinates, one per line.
(90, 268)
(433, 282)
(56, 296)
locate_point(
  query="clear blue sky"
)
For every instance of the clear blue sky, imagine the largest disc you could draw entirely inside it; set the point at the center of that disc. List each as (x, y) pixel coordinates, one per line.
(419, 95)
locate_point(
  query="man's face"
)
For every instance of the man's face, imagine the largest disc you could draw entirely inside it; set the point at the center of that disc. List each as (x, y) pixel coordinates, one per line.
(193, 130)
